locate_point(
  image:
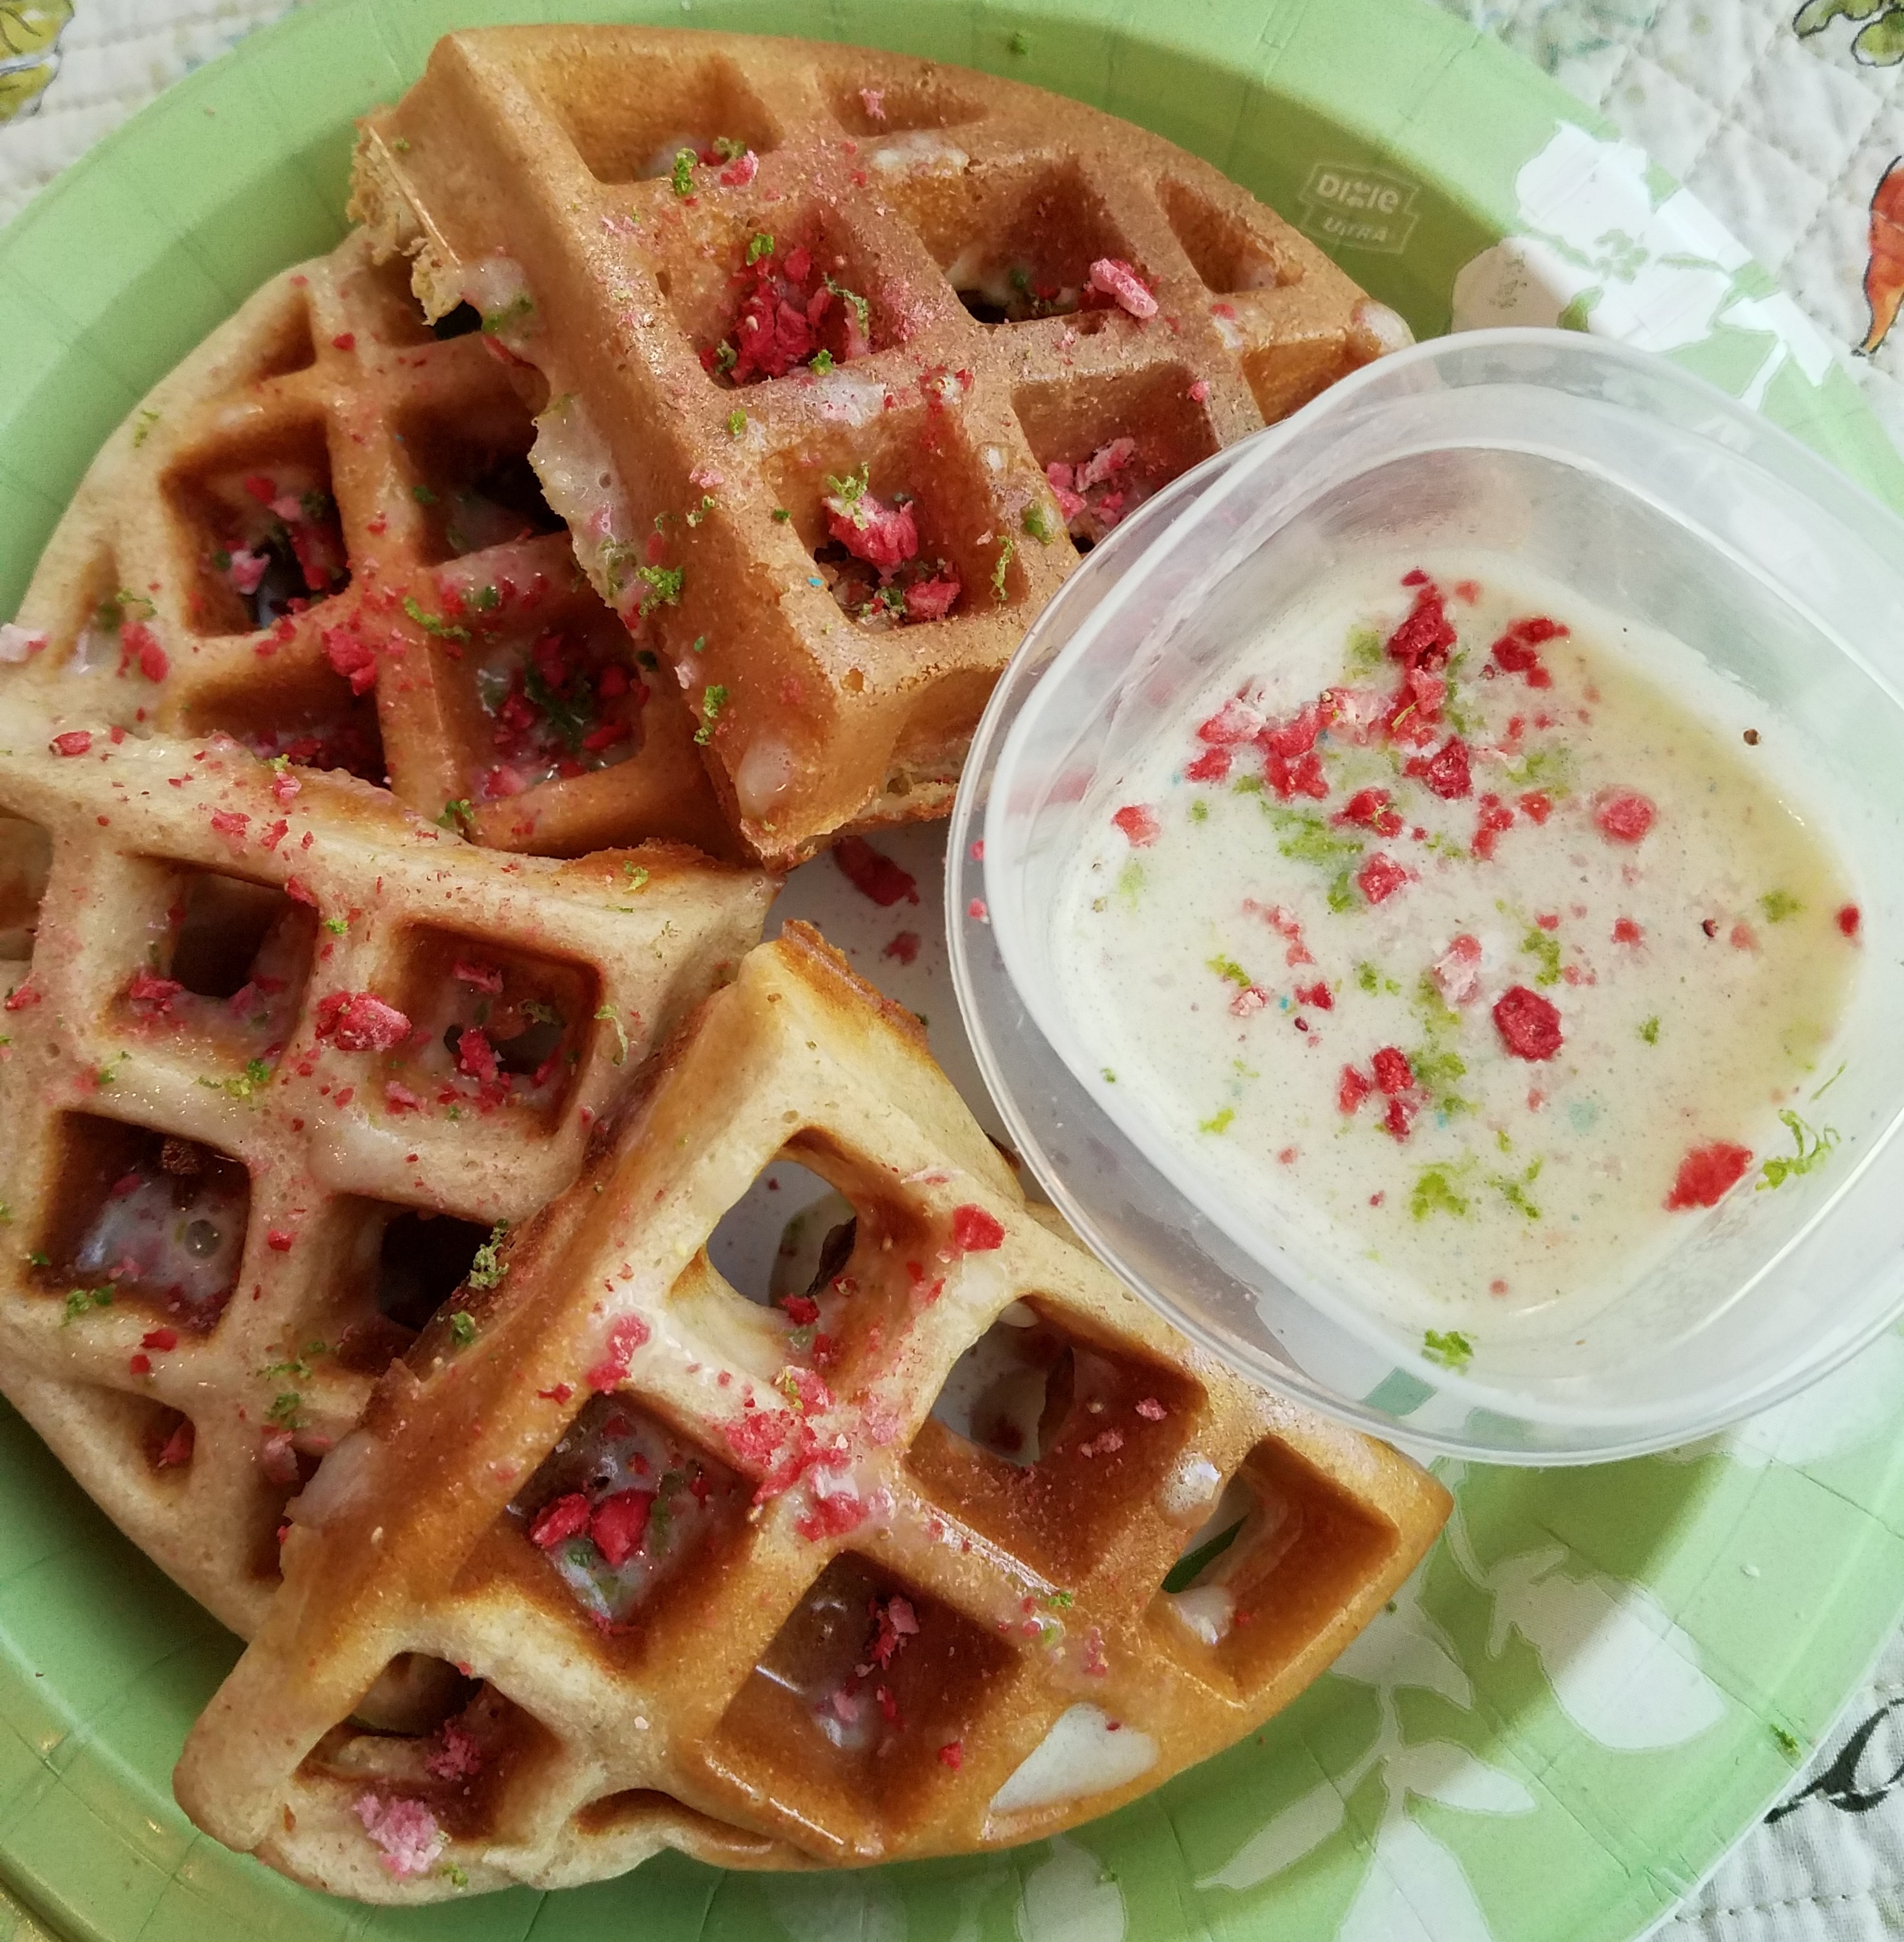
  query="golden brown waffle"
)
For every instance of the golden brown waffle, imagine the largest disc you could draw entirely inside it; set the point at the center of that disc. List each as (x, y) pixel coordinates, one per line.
(278, 1058)
(717, 1577)
(320, 534)
(660, 221)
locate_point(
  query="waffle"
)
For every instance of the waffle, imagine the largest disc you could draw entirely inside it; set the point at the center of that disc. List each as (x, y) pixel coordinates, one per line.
(321, 536)
(276, 1058)
(873, 1573)
(852, 354)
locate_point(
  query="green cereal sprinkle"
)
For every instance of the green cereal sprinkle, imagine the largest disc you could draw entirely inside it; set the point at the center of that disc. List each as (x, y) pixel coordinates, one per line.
(663, 585)
(433, 624)
(1777, 1170)
(1434, 1193)
(606, 1016)
(486, 1270)
(1779, 904)
(1544, 946)
(1219, 1124)
(1453, 1350)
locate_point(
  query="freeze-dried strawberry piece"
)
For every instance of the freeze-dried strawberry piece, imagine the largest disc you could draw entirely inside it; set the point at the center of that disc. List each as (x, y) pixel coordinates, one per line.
(475, 1057)
(1457, 972)
(1529, 1026)
(1446, 772)
(619, 1524)
(560, 1519)
(873, 874)
(1849, 918)
(1380, 878)
(1353, 1088)
(1514, 652)
(405, 1831)
(1393, 1074)
(882, 535)
(975, 1231)
(139, 644)
(1236, 721)
(74, 742)
(151, 996)
(360, 1021)
(625, 1336)
(1104, 463)
(1116, 279)
(1424, 637)
(1624, 816)
(1138, 821)
(1707, 1175)
(460, 1757)
(1303, 777)
(1212, 766)
(1625, 931)
(1495, 817)
(1370, 809)
(1296, 737)
(351, 657)
(1317, 994)
(1400, 1116)
(931, 599)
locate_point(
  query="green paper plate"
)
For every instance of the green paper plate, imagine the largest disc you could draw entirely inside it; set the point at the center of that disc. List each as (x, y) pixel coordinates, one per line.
(1600, 1676)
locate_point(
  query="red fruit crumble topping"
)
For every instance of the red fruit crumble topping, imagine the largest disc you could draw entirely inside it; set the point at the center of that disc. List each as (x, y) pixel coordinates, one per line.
(791, 310)
(873, 874)
(620, 1506)
(873, 565)
(1707, 1175)
(1529, 1024)
(975, 1231)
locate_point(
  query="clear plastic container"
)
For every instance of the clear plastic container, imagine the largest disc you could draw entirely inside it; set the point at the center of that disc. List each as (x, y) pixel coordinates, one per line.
(1661, 500)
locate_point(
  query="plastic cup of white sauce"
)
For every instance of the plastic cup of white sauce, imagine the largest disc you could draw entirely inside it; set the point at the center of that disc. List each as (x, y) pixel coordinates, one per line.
(1661, 501)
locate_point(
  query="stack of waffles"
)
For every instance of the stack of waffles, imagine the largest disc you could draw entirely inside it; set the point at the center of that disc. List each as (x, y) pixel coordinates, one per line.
(406, 724)
(847, 354)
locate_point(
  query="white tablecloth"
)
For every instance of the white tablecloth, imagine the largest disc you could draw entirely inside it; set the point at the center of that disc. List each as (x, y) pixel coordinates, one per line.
(1786, 135)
